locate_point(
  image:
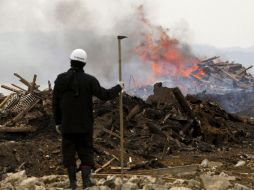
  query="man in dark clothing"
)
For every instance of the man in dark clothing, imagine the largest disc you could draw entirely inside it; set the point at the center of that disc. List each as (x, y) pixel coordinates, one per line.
(73, 114)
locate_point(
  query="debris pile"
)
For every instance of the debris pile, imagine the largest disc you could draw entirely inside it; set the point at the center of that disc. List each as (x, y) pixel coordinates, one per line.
(219, 75)
(226, 83)
(165, 124)
(20, 109)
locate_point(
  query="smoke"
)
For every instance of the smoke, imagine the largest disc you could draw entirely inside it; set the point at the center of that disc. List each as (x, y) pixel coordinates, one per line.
(38, 37)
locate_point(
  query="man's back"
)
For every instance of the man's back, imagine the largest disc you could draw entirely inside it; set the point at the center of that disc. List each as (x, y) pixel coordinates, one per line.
(73, 100)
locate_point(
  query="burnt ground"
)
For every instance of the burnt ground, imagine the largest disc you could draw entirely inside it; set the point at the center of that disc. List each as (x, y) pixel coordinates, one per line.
(40, 154)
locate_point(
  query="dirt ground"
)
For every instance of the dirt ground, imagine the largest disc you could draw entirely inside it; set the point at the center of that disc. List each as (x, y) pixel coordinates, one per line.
(40, 154)
(226, 138)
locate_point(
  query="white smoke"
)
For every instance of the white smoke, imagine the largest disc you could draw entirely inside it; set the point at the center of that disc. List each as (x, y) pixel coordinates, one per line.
(37, 37)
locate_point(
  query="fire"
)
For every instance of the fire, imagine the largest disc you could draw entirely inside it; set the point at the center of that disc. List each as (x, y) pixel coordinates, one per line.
(198, 73)
(167, 56)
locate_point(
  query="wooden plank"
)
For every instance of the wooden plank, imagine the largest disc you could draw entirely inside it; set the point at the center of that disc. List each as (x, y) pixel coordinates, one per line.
(5, 100)
(210, 59)
(244, 71)
(134, 111)
(174, 171)
(229, 75)
(119, 168)
(110, 154)
(111, 133)
(96, 175)
(33, 85)
(49, 85)
(104, 165)
(26, 129)
(18, 87)
(10, 89)
(24, 81)
(185, 108)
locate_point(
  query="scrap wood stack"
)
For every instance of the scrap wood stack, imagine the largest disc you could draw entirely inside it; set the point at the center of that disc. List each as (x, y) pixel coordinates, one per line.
(19, 109)
(165, 123)
(216, 73)
(226, 83)
(211, 76)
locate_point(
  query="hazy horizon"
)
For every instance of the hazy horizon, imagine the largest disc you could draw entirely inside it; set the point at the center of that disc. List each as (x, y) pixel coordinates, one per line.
(37, 37)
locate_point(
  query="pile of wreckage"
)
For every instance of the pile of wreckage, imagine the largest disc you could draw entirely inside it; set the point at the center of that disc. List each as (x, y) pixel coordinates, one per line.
(217, 75)
(226, 83)
(166, 122)
(22, 106)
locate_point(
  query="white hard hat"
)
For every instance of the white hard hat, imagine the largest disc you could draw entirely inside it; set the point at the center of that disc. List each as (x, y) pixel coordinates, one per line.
(78, 55)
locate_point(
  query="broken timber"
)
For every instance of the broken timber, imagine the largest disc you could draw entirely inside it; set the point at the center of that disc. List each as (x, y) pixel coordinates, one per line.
(11, 89)
(21, 114)
(104, 165)
(174, 171)
(185, 108)
(25, 129)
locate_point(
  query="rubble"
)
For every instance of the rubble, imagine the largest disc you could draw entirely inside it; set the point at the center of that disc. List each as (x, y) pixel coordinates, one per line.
(227, 83)
(214, 125)
(224, 74)
(167, 124)
(20, 180)
(19, 109)
(215, 182)
(210, 164)
(240, 163)
(241, 187)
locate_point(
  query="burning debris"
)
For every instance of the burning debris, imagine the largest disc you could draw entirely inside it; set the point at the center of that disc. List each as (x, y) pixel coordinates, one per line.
(228, 84)
(210, 76)
(217, 75)
(172, 62)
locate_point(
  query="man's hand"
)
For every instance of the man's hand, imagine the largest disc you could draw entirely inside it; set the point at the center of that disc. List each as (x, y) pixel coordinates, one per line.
(121, 83)
(59, 129)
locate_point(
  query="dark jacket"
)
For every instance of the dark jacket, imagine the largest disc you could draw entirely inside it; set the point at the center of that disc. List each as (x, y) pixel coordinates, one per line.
(72, 100)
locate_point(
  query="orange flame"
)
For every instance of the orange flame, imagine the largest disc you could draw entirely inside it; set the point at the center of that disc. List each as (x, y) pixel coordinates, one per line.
(166, 56)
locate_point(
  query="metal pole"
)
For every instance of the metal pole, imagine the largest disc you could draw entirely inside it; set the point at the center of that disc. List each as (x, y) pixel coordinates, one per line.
(121, 105)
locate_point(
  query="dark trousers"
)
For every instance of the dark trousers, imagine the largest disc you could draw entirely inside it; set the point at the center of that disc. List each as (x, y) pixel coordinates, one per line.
(82, 144)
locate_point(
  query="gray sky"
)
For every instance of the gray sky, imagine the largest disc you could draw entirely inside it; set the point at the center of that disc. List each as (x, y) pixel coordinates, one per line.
(221, 23)
(37, 36)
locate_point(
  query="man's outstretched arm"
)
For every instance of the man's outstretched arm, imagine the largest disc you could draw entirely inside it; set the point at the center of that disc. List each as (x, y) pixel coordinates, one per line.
(105, 94)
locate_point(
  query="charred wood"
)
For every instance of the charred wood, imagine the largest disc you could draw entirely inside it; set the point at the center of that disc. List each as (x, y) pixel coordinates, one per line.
(23, 129)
